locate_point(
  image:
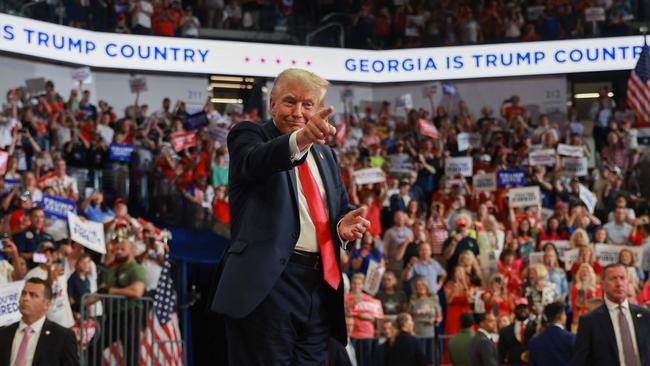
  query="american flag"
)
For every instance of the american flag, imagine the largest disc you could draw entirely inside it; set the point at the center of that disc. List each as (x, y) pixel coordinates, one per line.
(638, 88)
(160, 342)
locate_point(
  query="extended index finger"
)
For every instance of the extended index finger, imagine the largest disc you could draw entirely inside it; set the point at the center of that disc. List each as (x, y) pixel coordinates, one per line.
(325, 112)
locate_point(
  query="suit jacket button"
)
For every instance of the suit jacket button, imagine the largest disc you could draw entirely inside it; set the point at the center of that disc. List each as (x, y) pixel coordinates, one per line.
(283, 261)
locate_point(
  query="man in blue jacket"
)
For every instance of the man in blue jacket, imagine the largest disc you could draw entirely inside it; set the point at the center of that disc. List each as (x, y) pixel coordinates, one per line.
(281, 288)
(554, 345)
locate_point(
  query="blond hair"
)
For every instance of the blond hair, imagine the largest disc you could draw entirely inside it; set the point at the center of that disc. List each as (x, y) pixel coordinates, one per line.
(574, 236)
(540, 269)
(299, 76)
(578, 280)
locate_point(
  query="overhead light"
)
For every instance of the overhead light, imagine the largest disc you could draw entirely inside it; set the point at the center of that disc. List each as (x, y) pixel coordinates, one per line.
(226, 100)
(235, 79)
(590, 95)
(227, 86)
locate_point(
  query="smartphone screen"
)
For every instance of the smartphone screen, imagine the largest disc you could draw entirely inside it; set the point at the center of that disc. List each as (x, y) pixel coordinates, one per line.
(39, 258)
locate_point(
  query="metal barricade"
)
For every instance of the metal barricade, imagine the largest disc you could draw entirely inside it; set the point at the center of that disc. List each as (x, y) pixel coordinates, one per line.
(118, 333)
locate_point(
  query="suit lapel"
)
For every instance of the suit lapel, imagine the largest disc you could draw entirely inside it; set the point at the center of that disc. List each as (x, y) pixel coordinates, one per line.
(6, 353)
(606, 322)
(42, 342)
(637, 318)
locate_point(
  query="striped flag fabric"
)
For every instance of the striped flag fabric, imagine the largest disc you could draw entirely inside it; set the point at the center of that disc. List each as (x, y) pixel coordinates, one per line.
(638, 88)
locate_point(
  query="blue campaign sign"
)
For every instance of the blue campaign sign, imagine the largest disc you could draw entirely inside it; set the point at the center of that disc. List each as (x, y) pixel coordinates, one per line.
(449, 89)
(196, 121)
(11, 183)
(120, 152)
(511, 178)
(57, 207)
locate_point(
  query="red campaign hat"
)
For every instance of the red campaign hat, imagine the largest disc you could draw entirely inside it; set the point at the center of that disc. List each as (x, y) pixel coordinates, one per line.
(461, 222)
(119, 200)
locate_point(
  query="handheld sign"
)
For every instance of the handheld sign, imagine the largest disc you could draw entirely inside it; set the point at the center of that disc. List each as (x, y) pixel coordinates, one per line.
(485, 182)
(57, 207)
(460, 165)
(588, 197)
(542, 157)
(511, 178)
(90, 234)
(574, 167)
(428, 128)
(138, 85)
(568, 150)
(468, 141)
(368, 176)
(120, 152)
(524, 197)
(9, 298)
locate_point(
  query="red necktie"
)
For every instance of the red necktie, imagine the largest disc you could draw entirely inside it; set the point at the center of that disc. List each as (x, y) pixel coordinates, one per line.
(522, 332)
(318, 215)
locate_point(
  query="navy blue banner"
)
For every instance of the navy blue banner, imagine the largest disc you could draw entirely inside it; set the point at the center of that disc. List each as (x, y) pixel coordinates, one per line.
(196, 121)
(511, 178)
(57, 207)
(120, 152)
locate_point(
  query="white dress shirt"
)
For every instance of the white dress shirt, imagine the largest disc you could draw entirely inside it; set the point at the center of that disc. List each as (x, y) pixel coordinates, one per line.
(31, 345)
(308, 240)
(612, 307)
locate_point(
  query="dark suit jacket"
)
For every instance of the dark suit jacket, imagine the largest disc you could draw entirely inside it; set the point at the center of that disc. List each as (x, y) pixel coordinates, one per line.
(510, 349)
(482, 351)
(406, 351)
(56, 345)
(265, 218)
(596, 342)
(552, 347)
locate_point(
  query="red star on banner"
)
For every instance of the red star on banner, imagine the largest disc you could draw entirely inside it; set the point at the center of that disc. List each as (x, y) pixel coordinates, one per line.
(262, 60)
(308, 63)
(278, 61)
(293, 62)
(247, 59)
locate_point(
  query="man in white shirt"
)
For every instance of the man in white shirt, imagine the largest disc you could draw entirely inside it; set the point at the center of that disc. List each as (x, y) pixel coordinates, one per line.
(35, 340)
(616, 332)
(141, 12)
(618, 231)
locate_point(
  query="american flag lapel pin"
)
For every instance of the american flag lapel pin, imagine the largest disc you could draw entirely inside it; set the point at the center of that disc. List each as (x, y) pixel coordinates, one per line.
(639, 315)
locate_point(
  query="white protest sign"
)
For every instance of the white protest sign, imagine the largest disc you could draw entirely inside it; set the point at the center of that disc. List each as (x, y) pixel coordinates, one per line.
(468, 141)
(374, 276)
(542, 157)
(81, 74)
(90, 234)
(588, 197)
(574, 167)
(138, 85)
(485, 182)
(405, 101)
(595, 14)
(524, 196)
(568, 150)
(461, 165)
(608, 253)
(536, 258)
(368, 176)
(570, 257)
(9, 297)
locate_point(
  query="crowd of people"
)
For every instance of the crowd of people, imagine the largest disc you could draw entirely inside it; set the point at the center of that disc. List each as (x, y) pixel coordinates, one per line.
(375, 24)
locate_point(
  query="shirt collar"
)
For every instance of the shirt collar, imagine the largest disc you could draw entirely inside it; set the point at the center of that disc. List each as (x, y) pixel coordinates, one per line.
(611, 306)
(485, 332)
(36, 326)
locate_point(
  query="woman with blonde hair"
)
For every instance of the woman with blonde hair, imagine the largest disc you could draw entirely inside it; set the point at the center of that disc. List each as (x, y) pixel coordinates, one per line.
(539, 290)
(586, 255)
(490, 244)
(497, 298)
(585, 286)
(470, 264)
(425, 309)
(579, 238)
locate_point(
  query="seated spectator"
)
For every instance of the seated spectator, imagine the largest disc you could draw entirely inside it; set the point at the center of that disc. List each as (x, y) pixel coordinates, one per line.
(364, 320)
(585, 286)
(393, 300)
(425, 309)
(361, 257)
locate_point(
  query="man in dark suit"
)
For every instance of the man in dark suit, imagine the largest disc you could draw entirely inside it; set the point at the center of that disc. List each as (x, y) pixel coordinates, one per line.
(482, 350)
(513, 339)
(280, 286)
(554, 345)
(35, 340)
(617, 332)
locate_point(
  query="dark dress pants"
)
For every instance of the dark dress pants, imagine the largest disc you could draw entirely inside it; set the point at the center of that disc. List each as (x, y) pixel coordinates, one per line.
(289, 327)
